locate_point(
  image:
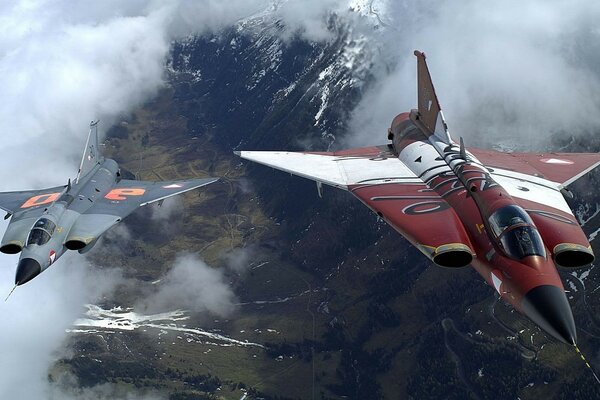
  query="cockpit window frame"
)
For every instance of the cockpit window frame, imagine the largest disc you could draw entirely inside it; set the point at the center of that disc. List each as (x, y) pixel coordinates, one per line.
(511, 221)
(509, 212)
(41, 232)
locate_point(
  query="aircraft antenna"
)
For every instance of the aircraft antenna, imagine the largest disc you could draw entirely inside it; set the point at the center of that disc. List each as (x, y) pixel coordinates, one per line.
(463, 152)
(11, 292)
(587, 364)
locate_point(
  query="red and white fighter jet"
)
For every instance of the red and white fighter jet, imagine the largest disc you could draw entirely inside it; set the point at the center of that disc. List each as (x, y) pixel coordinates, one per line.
(502, 213)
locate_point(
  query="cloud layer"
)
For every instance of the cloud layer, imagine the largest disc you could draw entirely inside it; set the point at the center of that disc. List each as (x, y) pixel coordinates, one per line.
(63, 64)
(35, 318)
(192, 285)
(503, 71)
(500, 69)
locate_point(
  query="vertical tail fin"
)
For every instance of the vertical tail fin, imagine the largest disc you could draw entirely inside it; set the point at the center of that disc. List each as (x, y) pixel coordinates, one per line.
(91, 154)
(429, 110)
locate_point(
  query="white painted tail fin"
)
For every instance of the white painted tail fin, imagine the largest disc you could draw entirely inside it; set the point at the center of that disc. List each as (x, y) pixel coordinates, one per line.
(91, 154)
(430, 112)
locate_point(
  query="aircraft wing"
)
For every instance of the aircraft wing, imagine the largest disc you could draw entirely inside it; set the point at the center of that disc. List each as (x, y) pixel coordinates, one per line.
(156, 191)
(562, 168)
(127, 195)
(389, 188)
(124, 198)
(368, 165)
(26, 200)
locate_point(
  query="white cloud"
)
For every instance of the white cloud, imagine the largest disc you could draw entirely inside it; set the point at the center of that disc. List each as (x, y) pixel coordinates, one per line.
(239, 259)
(192, 285)
(168, 210)
(501, 70)
(58, 74)
(308, 18)
(63, 64)
(35, 318)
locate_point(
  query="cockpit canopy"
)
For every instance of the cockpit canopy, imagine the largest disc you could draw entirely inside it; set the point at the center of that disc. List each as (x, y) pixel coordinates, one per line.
(515, 233)
(41, 232)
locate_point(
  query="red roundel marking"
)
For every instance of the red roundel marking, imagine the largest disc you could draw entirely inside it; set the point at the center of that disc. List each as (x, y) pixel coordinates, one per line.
(557, 161)
(121, 194)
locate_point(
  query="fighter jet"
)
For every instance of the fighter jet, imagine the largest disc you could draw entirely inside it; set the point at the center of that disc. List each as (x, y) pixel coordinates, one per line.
(46, 223)
(502, 213)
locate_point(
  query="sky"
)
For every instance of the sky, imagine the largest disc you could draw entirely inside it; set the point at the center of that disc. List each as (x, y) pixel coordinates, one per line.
(65, 63)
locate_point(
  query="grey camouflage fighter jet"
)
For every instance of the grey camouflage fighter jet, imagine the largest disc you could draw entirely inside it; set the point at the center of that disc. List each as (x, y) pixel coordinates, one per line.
(46, 223)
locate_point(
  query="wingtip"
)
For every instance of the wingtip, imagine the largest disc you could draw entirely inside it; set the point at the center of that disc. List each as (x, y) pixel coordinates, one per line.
(237, 153)
(209, 180)
(419, 53)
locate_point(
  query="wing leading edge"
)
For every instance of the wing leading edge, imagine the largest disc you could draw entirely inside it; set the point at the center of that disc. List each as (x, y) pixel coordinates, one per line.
(368, 165)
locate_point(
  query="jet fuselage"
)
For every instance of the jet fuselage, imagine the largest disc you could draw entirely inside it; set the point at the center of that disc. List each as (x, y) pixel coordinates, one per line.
(503, 213)
(511, 254)
(44, 223)
(47, 240)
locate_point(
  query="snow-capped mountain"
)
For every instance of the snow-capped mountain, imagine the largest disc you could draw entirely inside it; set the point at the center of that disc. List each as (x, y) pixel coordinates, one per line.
(263, 71)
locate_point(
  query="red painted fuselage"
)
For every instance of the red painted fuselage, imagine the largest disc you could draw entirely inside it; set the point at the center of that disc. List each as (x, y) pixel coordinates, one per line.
(502, 213)
(493, 232)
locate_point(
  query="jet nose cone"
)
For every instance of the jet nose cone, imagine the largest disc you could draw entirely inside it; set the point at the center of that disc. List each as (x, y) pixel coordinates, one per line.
(548, 307)
(27, 269)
